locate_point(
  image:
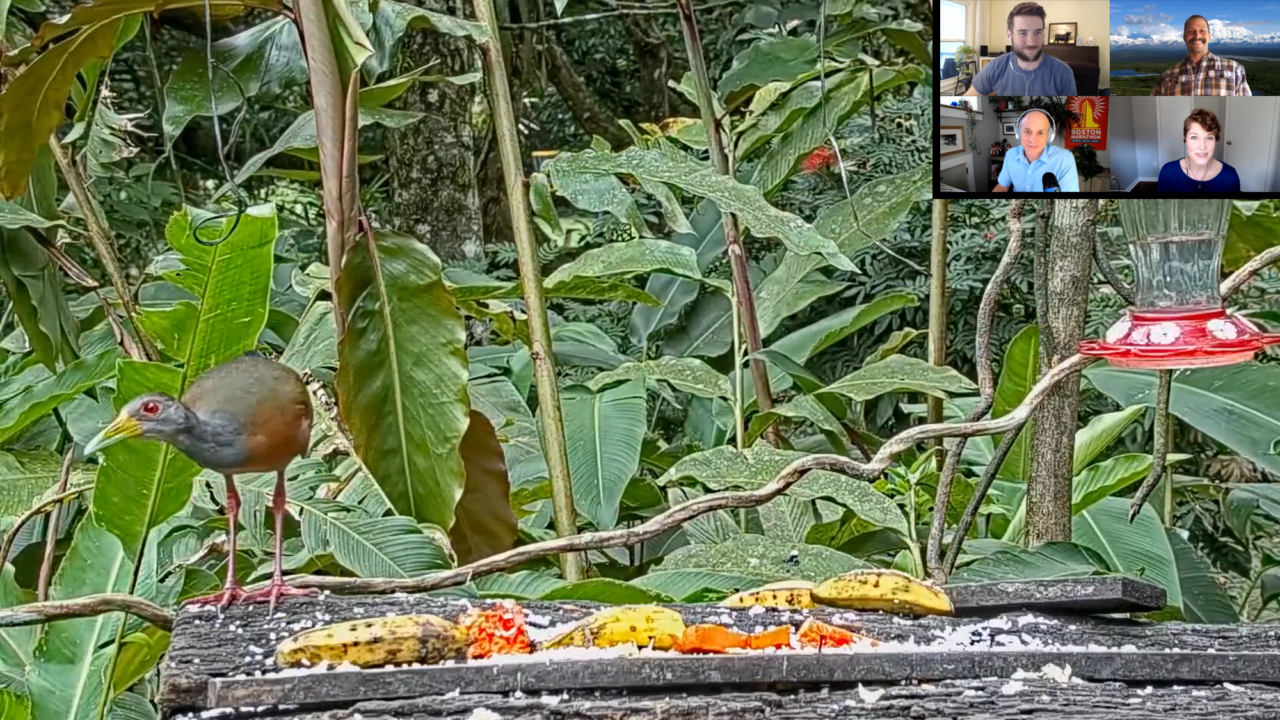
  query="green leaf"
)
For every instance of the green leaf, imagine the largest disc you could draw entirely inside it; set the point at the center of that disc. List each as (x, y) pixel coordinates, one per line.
(607, 590)
(585, 345)
(302, 134)
(145, 483)
(68, 674)
(1253, 228)
(684, 374)
(31, 107)
(33, 283)
(1017, 376)
(755, 554)
(390, 21)
(759, 129)
(140, 653)
(725, 468)
(900, 373)
(1237, 405)
(682, 584)
(790, 289)
(387, 547)
(707, 330)
(603, 432)
(875, 211)
(402, 375)
(314, 344)
(619, 261)
(1140, 549)
(1100, 433)
(14, 216)
(264, 59)
(671, 210)
(485, 523)
(763, 62)
(16, 643)
(14, 706)
(39, 399)
(521, 585)
(787, 519)
(26, 477)
(898, 339)
(676, 168)
(802, 407)
(544, 208)
(706, 238)
(1044, 562)
(1203, 600)
(812, 339)
(844, 95)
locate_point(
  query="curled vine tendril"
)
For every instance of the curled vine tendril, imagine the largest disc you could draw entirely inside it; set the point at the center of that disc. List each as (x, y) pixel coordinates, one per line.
(242, 202)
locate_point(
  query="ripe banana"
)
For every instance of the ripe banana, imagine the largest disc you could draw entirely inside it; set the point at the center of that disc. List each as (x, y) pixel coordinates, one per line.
(639, 624)
(375, 642)
(787, 594)
(887, 590)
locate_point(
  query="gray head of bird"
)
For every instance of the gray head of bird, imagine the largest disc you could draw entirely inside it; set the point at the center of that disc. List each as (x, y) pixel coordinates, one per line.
(154, 415)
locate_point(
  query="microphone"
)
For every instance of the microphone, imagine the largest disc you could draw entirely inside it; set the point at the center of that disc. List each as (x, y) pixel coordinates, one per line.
(1050, 182)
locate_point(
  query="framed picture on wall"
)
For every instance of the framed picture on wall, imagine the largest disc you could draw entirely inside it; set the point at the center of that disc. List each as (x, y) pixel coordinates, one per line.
(1062, 33)
(950, 140)
(1010, 128)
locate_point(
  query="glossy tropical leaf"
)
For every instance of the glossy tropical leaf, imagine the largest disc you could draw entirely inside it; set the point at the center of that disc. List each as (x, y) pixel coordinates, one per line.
(802, 407)
(314, 344)
(812, 339)
(34, 285)
(1203, 600)
(710, 528)
(38, 399)
(603, 432)
(387, 547)
(521, 585)
(485, 524)
(607, 590)
(1254, 226)
(544, 208)
(1237, 405)
(787, 519)
(809, 131)
(758, 129)
(684, 374)
(145, 483)
(618, 261)
(707, 330)
(766, 61)
(1018, 375)
(402, 375)
(755, 554)
(670, 206)
(28, 475)
(140, 653)
(16, 643)
(264, 59)
(32, 104)
(1044, 562)
(1139, 549)
(898, 339)
(682, 584)
(67, 678)
(706, 238)
(392, 19)
(900, 373)
(14, 216)
(676, 168)
(1099, 434)
(876, 210)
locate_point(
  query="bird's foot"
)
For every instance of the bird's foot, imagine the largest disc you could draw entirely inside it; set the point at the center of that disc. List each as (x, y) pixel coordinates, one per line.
(273, 592)
(224, 597)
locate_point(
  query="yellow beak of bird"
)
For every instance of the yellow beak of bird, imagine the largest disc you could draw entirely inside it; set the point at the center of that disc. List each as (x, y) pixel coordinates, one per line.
(122, 428)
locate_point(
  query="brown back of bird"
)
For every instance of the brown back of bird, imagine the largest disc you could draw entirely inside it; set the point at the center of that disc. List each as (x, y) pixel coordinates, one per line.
(269, 399)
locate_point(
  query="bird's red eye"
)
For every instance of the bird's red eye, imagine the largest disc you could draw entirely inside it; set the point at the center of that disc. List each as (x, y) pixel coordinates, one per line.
(150, 407)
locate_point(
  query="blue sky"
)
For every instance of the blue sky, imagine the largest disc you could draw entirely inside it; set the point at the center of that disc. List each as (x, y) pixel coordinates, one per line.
(1139, 20)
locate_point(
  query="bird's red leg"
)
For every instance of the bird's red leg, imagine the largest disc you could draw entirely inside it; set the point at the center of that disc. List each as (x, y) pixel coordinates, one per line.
(231, 591)
(277, 588)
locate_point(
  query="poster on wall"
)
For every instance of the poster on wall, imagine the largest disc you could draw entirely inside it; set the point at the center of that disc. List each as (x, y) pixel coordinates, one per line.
(1092, 127)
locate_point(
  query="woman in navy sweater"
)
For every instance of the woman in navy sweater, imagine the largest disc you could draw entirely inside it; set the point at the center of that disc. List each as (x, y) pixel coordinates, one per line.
(1197, 171)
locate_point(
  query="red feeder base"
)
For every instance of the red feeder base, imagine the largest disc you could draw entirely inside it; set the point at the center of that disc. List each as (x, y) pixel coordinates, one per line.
(1155, 340)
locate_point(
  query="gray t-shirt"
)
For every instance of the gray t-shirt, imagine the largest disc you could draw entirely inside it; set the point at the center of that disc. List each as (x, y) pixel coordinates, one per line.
(1003, 77)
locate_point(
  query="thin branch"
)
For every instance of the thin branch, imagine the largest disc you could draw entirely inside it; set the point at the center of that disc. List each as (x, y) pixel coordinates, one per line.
(979, 494)
(1160, 444)
(87, 606)
(986, 385)
(51, 533)
(1264, 259)
(101, 241)
(683, 512)
(7, 544)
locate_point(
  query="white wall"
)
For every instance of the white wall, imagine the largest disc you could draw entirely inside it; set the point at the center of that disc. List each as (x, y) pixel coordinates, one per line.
(1092, 19)
(1120, 142)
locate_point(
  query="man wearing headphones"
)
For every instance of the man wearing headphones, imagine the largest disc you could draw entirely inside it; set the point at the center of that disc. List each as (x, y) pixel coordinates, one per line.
(1025, 166)
(1026, 70)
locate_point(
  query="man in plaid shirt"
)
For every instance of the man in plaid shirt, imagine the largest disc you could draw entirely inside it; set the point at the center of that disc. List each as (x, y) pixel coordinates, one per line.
(1201, 72)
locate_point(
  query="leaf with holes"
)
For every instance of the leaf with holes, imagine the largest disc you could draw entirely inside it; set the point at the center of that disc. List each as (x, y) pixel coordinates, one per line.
(756, 554)
(900, 373)
(402, 374)
(684, 374)
(875, 211)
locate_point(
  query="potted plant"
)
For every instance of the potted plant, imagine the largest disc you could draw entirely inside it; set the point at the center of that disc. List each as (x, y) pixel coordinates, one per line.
(964, 55)
(1087, 165)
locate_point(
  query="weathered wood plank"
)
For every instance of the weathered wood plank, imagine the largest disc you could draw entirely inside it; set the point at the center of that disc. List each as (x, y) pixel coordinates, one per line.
(977, 699)
(242, 642)
(1078, 596)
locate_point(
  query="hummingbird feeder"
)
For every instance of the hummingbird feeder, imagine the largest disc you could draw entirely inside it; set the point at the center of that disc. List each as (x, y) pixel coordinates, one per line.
(1178, 320)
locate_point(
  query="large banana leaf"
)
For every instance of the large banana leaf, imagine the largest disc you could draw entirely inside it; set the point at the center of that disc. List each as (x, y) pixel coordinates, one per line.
(1237, 405)
(1018, 375)
(1203, 600)
(67, 679)
(603, 432)
(1140, 549)
(38, 399)
(141, 484)
(674, 293)
(402, 375)
(34, 285)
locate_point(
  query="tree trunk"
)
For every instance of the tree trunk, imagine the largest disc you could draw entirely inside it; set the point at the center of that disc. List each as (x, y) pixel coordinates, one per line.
(1066, 261)
(433, 173)
(650, 49)
(587, 109)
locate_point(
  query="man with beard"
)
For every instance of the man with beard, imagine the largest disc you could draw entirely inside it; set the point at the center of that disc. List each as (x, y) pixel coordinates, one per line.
(1025, 165)
(1201, 72)
(1026, 70)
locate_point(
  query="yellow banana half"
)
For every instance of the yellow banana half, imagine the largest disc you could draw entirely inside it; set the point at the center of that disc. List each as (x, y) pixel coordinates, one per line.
(886, 590)
(787, 594)
(376, 642)
(639, 624)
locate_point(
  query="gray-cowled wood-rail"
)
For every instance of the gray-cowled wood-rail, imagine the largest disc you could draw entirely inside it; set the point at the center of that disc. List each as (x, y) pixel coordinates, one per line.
(247, 415)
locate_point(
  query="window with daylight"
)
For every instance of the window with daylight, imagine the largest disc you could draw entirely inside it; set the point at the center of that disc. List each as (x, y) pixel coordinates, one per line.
(954, 21)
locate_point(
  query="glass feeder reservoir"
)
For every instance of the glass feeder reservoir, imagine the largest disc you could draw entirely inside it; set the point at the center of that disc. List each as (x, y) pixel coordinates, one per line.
(1177, 320)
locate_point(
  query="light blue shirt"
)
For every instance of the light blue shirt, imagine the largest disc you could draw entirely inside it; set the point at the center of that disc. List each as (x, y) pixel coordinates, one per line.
(1020, 176)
